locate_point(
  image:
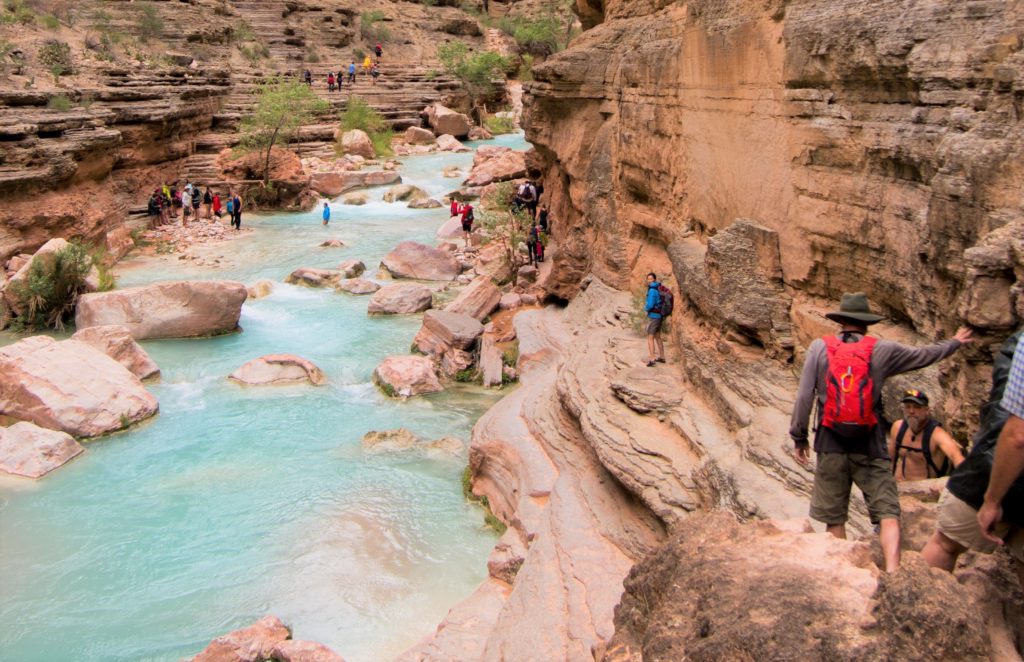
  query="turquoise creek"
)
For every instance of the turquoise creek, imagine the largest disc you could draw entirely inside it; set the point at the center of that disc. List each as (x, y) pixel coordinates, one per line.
(237, 502)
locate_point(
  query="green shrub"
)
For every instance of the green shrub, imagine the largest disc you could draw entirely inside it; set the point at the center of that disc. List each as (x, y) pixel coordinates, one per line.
(370, 27)
(382, 142)
(500, 125)
(467, 376)
(49, 21)
(510, 356)
(52, 288)
(539, 35)
(526, 68)
(490, 519)
(59, 102)
(358, 54)
(55, 53)
(149, 22)
(358, 114)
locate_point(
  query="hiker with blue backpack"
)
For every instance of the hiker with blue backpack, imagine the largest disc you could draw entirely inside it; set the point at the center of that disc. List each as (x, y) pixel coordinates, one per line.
(658, 306)
(844, 375)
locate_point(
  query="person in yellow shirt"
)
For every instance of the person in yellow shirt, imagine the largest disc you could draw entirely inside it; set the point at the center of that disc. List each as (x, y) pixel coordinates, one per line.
(367, 63)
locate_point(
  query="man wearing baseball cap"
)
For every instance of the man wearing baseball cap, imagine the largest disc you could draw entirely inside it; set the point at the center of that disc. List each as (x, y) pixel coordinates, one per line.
(844, 373)
(918, 445)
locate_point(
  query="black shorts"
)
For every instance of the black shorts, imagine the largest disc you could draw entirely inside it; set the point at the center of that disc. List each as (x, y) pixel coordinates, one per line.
(467, 227)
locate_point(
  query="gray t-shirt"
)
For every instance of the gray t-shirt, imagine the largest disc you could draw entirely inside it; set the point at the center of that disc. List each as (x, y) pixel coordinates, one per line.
(887, 359)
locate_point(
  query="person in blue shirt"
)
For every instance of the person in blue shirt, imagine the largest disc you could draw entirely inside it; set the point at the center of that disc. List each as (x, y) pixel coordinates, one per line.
(654, 319)
(352, 73)
(327, 213)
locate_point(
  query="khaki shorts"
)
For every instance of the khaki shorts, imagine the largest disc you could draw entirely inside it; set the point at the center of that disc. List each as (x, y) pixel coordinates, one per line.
(959, 522)
(654, 325)
(836, 473)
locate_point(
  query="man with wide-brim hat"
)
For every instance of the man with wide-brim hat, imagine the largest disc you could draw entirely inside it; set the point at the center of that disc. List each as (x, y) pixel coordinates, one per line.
(845, 375)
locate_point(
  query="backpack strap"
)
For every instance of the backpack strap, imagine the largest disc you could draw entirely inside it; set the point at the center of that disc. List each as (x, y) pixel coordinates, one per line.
(902, 432)
(926, 447)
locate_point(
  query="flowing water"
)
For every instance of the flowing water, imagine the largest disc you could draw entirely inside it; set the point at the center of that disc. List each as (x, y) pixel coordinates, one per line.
(236, 502)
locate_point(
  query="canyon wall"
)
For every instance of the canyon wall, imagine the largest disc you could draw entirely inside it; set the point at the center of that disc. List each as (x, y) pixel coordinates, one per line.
(773, 155)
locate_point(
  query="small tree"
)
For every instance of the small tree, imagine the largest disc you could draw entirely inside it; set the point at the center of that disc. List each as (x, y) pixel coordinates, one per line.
(51, 290)
(502, 225)
(150, 24)
(474, 71)
(282, 107)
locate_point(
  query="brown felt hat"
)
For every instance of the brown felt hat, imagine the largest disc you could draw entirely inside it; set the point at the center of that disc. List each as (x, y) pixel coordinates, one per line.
(854, 307)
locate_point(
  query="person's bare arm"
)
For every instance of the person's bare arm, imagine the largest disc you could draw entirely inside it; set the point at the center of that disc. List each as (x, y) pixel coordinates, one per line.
(1007, 465)
(892, 439)
(948, 445)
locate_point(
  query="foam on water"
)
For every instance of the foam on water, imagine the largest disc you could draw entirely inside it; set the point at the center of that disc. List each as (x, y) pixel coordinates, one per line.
(235, 502)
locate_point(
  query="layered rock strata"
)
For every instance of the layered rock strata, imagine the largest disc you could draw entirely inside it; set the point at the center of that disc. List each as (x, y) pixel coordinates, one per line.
(868, 146)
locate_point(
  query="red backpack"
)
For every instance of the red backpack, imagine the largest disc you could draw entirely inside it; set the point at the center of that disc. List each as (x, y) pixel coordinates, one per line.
(849, 392)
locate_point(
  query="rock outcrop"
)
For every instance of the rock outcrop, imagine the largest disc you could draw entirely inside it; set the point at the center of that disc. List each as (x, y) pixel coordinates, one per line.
(703, 595)
(70, 386)
(357, 286)
(358, 143)
(478, 299)
(868, 158)
(31, 451)
(496, 164)
(266, 639)
(400, 299)
(116, 341)
(278, 369)
(313, 277)
(419, 261)
(180, 309)
(406, 376)
(444, 120)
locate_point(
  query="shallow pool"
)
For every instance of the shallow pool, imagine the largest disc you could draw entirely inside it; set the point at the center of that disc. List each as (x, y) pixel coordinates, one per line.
(237, 502)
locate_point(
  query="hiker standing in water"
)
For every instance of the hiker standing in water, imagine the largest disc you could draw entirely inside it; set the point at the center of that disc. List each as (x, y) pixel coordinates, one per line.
(845, 374)
(327, 214)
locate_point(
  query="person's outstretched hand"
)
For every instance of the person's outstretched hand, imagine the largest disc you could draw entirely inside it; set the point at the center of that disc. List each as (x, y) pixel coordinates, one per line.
(964, 335)
(802, 454)
(989, 515)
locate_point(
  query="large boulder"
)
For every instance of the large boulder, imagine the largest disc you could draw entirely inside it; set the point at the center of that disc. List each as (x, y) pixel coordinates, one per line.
(313, 277)
(703, 595)
(278, 369)
(496, 164)
(491, 363)
(115, 340)
(424, 203)
(31, 451)
(413, 260)
(267, 639)
(335, 183)
(261, 288)
(180, 309)
(478, 299)
(442, 331)
(415, 135)
(406, 376)
(357, 198)
(357, 142)
(70, 386)
(445, 120)
(449, 143)
(404, 192)
(351, 268)
(357, 286)
(452, 229)
(400, 299)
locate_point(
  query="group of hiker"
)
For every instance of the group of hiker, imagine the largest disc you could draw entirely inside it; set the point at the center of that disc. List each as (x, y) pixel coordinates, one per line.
(167, 203)
(526, 201)
(337, 80)
(982, 505)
